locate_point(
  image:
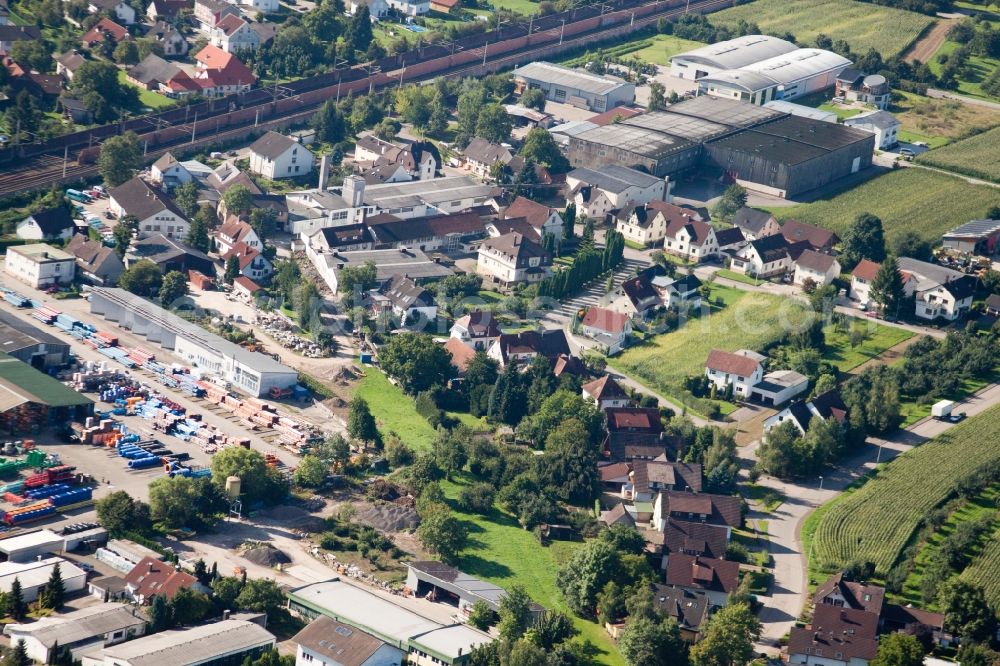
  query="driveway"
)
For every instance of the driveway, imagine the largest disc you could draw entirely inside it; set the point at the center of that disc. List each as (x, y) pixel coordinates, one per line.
(789, 593)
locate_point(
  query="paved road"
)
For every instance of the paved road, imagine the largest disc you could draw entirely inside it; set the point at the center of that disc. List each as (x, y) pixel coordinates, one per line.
(789, 593)
(944, 94)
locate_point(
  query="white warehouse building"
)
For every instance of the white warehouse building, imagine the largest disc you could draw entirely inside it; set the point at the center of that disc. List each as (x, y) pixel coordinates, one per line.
(785, 77)
(576, 87)
(730, 54)
(250, 372)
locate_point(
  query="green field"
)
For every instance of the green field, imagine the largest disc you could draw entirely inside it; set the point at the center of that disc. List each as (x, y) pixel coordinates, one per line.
(878, 338)
(745, 321)
(864, 26)
(976, 70)
(907, 199)
(656, 49)
(875, 522)
(394, 411)
(985, 569)
(502, 552)
(977, 156)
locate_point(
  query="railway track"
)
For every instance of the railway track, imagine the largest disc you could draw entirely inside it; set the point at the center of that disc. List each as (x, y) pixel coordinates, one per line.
(42, 171)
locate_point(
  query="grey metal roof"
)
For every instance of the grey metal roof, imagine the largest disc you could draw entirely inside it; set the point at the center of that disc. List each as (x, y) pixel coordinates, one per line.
(981, 228)
(15, 334)
(190, 331)
(725, 111)
(738, 52)
(80, 625)
(409, 262)
(639, 140)
(801, 110)
(928, 275)
(192, 646)
(675, 124)
(878, 119)
(613, 177)
(800, 64)
(437, 190)
(577, 79)
(740, 78)
(792, 140)
(452, 642)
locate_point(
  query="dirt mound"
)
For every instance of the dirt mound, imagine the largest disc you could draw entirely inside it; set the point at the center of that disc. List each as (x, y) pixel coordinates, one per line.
(266, 556)
(388, 517)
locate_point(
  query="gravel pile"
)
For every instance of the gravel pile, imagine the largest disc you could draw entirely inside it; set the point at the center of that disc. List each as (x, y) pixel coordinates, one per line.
(388, 517)
(266, 556)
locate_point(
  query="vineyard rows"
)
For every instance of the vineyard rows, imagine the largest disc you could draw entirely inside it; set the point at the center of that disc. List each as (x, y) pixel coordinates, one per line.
(875, 522)
(985, 570)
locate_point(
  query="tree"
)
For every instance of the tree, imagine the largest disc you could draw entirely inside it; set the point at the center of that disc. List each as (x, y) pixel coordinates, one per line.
(127, 53)
(899, 649)
(514, 612)
(585, 575)
(181, 501)
(864, 240)
(186, 198)
(533, 98)
(493, 124)
(624, 539)
(238, 200)
(657, 96)
(310, 473)
(258, 481)
(728, 639)
(232, 269)
(569, 220)
(357, 278)
(417, 364)
(507, 399)
(15, 600)
(120, 158)
(442, 533)
(159, 614)
(32, 54)
(477, 498)
(359, 32)
(96, 84)
(260, 595)
(119, 513)
(734, 198)
(360, 422)
(913, 245)
(174, 286)
(143, 278)
(647, 642)
(328, 123)
(540, 147)
(778, 455)
(966, 610)
(54, 592)
(558, 408)
(413, 103)
(23, 116)
(481, 616)
(197, 235)
(569, 465)
(17, 655)
(188, 607)
(887, 287)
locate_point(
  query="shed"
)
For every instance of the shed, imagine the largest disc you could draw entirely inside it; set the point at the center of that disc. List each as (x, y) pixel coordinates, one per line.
(31, 546)
(444, 583)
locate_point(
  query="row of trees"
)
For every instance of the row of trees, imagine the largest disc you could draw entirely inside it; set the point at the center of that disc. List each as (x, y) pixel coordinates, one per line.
(589, 263)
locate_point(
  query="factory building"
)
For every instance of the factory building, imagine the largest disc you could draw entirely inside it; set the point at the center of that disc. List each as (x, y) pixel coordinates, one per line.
(34, 575)
(576, 87)
(792, 155)
(31, 546)
(784, 77)
(730, 54)
(250, 372)
(25, 342)
(30, 399)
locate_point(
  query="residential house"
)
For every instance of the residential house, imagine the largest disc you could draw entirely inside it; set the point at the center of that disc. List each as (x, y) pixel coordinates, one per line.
(818, 238)
(461, 356)
(634, 433)
(95, 262)
(155, 211)
(341, 239)
(835, 636)
(152, 73)
(121, 10)
(605, 393)
(764, 257)
(412, 263)
(377, 9)
(480, 156)
(979, 237)
(277, 156)
(861, 280)
(714, 578)
(209, 13)
(856, 86)
(234, 232)
(405, 299)
(882, 124)
(166, 10)
(169, 255)
(824, 406)
(410, 7)
(454, 233)
(756, 224)
(234, 33)
(598, 192)
(617, 515)
(909, 620)
(48, 224)
(610, 329)
(150, 578)
(78, 631)
(523, 347)
(741, 370)
(693, 538)
(326, 641)
(730, 240)
(168, 172)
(10, 34)
(541, 218)
(815, 268)
(221, 73)
(636, 297)
(102, 30)
(682, 294)
(75, 110)
(993, 305)
(692, 241)
(39, 265)
(511, 259)
(174, 44)
(396, 161)
(842, 593)
(940, 293)
(477, 329)
(68, 63)
(647, 223)
(261, 6)
(651, 477)
(722, 510)
(253, 264)
(688, 609)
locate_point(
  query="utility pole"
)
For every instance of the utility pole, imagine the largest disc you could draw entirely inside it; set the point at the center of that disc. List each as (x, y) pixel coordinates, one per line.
(194, 126)
(65, 159)
(486, 47)
(401, 73)
(561, 31)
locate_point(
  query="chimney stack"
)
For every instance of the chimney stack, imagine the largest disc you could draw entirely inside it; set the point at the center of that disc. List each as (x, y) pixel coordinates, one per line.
(324, 172)
(354, 191)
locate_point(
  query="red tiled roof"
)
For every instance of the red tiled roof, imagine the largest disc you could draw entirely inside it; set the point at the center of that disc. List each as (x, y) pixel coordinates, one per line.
(734, 364)
(535, 213)
(703, 573)
(604, 319)
(614, 471)
(795, 231)
(461, 353)
(105, 25)
(243, 252)
(212, 57)
(604, 388)
(866, 270)
(635, 418)
(608, 117)
(151, 577)
(247, 284)
(836, 630)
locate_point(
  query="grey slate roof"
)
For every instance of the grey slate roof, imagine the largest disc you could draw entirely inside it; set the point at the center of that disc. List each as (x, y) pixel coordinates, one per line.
(139, 198)
(577, 79)
(153, 68)
(272, 145)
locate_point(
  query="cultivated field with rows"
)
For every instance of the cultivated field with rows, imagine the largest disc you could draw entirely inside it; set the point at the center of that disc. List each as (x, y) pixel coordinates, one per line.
(977, 156)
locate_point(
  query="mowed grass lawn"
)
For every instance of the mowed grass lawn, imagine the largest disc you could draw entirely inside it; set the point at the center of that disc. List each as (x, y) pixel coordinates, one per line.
(864, 26)
(501, 552)
(394, 411)
(908, 199)
(878, 338)
(663, 48)
(745, 321)
(147, 97)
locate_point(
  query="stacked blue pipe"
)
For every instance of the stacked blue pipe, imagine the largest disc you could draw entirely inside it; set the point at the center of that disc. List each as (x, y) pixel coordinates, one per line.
(72, 497)
(141, 463)
(47, 491)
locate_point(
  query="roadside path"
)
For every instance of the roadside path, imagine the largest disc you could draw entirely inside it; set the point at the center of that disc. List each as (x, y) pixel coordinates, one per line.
(944, 94)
